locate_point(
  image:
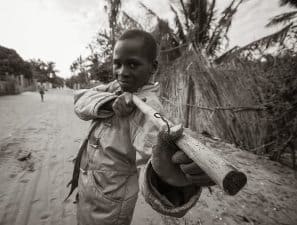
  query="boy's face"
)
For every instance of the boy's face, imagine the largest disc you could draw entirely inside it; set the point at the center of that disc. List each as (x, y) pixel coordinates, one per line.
(131, 64)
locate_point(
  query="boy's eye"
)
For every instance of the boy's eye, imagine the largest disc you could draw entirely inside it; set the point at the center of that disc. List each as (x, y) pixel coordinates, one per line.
(116, 64)
(132, 65)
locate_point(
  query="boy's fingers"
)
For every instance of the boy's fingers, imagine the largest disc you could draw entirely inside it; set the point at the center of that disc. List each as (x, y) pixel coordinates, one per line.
(176, 131)
(191, 168)
(181, 158)
(174, 134)
(200, 180)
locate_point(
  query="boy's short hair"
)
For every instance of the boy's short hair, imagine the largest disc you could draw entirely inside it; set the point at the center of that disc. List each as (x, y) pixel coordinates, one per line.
(149, 42)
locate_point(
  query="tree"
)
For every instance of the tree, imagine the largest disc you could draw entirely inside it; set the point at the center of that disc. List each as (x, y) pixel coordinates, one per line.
(99, 62)
(50, 69)
(199, 27)
(288, 19)
(284, 39)
(12, 63)
(79, 68)
(288, 2)
(112, 8)
(43, 71)
(38, 68)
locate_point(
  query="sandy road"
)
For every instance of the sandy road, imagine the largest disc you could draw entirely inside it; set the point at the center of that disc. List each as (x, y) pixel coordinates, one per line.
(48, 135)
(32, 191)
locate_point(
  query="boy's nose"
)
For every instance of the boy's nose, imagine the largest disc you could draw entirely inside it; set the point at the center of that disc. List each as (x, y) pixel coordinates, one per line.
(123, 71)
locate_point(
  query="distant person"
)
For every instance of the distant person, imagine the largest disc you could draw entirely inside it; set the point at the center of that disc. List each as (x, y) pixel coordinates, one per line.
(41, 90)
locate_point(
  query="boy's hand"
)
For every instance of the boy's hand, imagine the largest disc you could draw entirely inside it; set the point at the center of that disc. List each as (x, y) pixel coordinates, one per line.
(192, 171)
(172, 165)
(123, 104)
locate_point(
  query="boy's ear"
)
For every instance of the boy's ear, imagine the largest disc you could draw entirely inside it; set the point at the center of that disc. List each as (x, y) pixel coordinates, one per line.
(155, 66)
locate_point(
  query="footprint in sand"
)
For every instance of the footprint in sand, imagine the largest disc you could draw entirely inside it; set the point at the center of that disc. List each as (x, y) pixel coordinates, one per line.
(45, 216)
(13, 175)
(36, 200)
(24, 181)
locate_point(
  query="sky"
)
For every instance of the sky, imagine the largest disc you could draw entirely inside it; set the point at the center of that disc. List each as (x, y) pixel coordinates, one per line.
(60, 30)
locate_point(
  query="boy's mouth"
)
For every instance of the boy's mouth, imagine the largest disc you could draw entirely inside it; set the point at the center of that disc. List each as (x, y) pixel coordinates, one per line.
(126, 82)
(126, 85)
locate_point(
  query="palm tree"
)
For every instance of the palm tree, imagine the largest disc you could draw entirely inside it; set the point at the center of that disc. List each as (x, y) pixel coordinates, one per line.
(256, 48)
(199, 26)
(39, 70)
(289, 19)
(127, 22)
(285, 17)
(50, 69)
(112, 9)
(288, 2)
(219, 34)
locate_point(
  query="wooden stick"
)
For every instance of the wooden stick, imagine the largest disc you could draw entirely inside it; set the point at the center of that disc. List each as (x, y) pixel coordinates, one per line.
(220, 171)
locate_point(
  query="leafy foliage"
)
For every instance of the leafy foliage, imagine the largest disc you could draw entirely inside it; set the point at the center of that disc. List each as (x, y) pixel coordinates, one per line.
(112, 9)
(289, 20)
(288, 2)
(200, 26)
(74, 80)
(219, 33)
(45, 72)
(97, 65)
(258, 48)
(194, 21)
(180, 31)
(282, 18)
(12, 63)
(281, 100)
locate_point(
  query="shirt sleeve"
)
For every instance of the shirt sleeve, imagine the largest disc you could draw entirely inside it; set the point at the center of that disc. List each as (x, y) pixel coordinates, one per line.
(88, 102)
(166, 199)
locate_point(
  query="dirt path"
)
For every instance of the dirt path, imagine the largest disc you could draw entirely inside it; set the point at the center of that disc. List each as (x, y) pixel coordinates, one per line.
(39, 140)
(32, 190)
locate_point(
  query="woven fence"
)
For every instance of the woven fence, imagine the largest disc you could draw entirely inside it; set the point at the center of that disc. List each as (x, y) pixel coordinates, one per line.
(219, 102)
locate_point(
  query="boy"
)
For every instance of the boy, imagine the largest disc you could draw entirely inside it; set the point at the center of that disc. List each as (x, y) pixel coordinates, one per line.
(41, 89)
(107, 160)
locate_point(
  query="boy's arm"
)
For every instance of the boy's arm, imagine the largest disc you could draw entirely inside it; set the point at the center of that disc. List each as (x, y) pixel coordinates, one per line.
(96, 102)
(164, 198)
